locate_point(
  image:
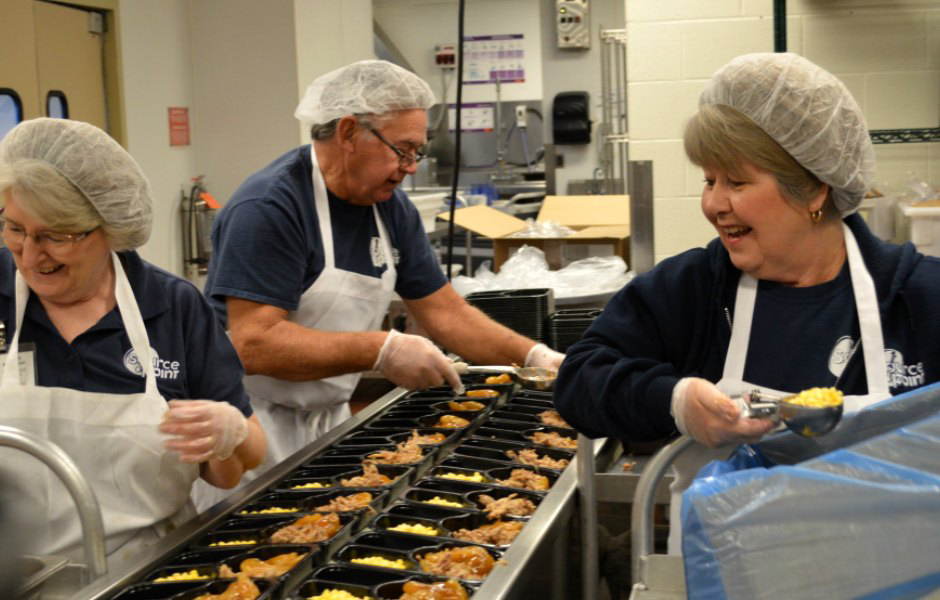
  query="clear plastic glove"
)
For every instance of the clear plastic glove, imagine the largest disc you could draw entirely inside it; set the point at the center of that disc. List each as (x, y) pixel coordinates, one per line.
(203, 429)
(705, 413)
(414, 362)
(541, 355)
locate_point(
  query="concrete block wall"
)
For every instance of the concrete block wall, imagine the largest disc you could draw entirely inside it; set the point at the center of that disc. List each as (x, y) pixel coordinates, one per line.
(886, 52)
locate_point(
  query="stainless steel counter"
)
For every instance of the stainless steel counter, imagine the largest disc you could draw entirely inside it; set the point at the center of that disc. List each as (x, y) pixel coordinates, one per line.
(546, 532)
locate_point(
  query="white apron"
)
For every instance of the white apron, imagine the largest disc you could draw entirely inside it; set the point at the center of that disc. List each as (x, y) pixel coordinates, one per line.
(732, 380)
(142, 489)
(295, 413)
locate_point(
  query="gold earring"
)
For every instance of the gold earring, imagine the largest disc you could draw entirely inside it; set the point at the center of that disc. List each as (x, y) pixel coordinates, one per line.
(816, 215)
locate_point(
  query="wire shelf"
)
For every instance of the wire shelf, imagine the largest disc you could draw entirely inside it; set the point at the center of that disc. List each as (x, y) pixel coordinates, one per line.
(905, 136)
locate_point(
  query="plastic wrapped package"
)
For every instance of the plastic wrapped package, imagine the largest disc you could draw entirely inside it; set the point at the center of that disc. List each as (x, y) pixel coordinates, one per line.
(528, 269)
(859, 522)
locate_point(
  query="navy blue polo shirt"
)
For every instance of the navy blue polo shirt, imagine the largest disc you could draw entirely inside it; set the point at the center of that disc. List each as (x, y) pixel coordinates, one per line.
(194, 359)
(267, 248)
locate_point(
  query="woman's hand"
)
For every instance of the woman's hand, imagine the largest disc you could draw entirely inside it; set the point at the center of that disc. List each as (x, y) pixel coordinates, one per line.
(203, 429)
(705, 413)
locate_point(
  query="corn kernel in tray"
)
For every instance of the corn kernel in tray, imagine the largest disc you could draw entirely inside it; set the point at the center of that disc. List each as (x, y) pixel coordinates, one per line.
(417, 528)
(181, 576)
(265, 511)
(477, 477)
(315, 484)
(235, 543)
(442, 502)
(378, 561)
(817, 397)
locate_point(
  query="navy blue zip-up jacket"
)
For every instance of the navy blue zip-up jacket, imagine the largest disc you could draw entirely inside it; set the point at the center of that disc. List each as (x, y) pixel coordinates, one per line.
(673, 322)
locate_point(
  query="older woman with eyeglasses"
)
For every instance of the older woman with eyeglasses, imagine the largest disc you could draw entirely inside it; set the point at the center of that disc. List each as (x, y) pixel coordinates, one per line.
(309, 251)
(122, 365)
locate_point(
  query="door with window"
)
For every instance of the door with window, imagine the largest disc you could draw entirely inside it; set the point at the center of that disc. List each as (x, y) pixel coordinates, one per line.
(58, 69)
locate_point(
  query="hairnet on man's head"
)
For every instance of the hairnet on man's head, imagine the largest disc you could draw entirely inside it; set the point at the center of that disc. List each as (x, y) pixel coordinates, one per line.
(95, 164)
(366, 87)
(806, 110)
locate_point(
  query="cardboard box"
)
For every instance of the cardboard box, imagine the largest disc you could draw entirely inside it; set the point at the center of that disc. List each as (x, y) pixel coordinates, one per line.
(601, 224)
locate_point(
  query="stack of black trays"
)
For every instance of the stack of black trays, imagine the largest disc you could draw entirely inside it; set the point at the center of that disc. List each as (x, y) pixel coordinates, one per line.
(460, 472)
(523, 311)
(565, 327)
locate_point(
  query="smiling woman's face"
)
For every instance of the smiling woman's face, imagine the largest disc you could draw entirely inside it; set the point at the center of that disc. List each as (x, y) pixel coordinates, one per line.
(63, 275)
(760, 228)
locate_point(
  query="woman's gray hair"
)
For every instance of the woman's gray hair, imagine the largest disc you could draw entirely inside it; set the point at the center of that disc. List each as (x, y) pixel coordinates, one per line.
(74, 177)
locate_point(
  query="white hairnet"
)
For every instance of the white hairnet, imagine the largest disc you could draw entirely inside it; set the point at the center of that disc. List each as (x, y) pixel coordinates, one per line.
(808, 111)
(365, 87)
(94, 163)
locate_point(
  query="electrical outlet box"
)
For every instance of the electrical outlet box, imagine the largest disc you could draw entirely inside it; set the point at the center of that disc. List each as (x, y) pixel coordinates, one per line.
(445, 56)
(573, 24)
(520, 116)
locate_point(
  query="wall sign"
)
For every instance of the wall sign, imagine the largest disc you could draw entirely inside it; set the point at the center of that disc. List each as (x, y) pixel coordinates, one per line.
(179, 125)
(491, 58)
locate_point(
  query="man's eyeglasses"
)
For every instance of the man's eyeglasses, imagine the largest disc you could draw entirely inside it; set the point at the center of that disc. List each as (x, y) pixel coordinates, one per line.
(15, 236)
(405, 160)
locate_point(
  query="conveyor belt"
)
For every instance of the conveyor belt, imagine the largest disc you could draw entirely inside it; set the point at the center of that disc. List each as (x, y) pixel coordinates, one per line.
(545, 533)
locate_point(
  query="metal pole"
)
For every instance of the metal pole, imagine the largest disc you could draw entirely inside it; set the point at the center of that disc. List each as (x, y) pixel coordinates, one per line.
(65, 468)
(640, 179)
(588, 509)
(641, 518)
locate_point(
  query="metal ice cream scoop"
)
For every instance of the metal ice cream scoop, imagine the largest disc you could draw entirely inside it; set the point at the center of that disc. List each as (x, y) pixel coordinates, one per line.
(807, 421)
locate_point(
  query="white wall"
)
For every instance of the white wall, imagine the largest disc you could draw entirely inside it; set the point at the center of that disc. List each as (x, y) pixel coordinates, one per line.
(157, 73)
(887, 53)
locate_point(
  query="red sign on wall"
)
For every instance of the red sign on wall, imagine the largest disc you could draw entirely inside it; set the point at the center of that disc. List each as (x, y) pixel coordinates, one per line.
(179, 125)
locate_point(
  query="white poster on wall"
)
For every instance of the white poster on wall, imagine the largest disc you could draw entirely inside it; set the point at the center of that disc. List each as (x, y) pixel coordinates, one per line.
(491, 58)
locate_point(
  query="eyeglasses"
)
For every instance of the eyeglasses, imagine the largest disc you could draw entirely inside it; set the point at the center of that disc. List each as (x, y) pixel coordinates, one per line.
(51, 241)
(405, 160)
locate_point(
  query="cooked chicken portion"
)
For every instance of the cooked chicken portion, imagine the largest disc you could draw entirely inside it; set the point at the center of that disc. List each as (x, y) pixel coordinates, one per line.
(554, 439)
(481, 393)
(526, 479)
(243, 588)
(346, 503)
(500, 533)
(511, 506)
(445, 590)
(427, 438)
(308, 529)
(528, 456)
(467, 405)
(272, 567)
(451, 422)
(403, 454)
(370, 478)
(467, 562)
(551, 417)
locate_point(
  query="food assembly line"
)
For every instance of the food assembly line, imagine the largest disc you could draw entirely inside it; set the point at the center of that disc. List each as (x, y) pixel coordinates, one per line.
(420, 486)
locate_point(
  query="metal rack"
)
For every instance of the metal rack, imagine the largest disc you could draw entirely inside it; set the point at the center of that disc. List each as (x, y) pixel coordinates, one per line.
(545, 535)
(613, 129)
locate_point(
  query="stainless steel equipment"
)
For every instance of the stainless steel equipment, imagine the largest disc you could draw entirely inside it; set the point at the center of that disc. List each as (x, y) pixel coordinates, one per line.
(85, 501)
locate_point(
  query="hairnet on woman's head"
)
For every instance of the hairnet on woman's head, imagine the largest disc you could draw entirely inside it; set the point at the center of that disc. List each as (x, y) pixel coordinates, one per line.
(806, 110)
(95, 164)
(366, 87)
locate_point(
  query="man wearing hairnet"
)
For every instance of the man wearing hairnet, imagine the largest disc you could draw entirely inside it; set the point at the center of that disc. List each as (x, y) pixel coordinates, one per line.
(307, 253)
(123, 366)
(794, 293)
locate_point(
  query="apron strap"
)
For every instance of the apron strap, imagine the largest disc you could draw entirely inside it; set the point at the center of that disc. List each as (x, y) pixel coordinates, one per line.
(869, 317)
(740, 328)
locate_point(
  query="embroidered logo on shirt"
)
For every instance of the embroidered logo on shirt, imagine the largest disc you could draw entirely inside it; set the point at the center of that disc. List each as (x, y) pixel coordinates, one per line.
(162, 369)
(378, 254)
(840, 355)
(901, 375)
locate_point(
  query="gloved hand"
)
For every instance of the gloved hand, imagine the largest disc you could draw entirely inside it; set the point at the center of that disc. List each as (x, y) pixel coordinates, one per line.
(203, 429)
(541, 355)
(413, 362)
(705, 413)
